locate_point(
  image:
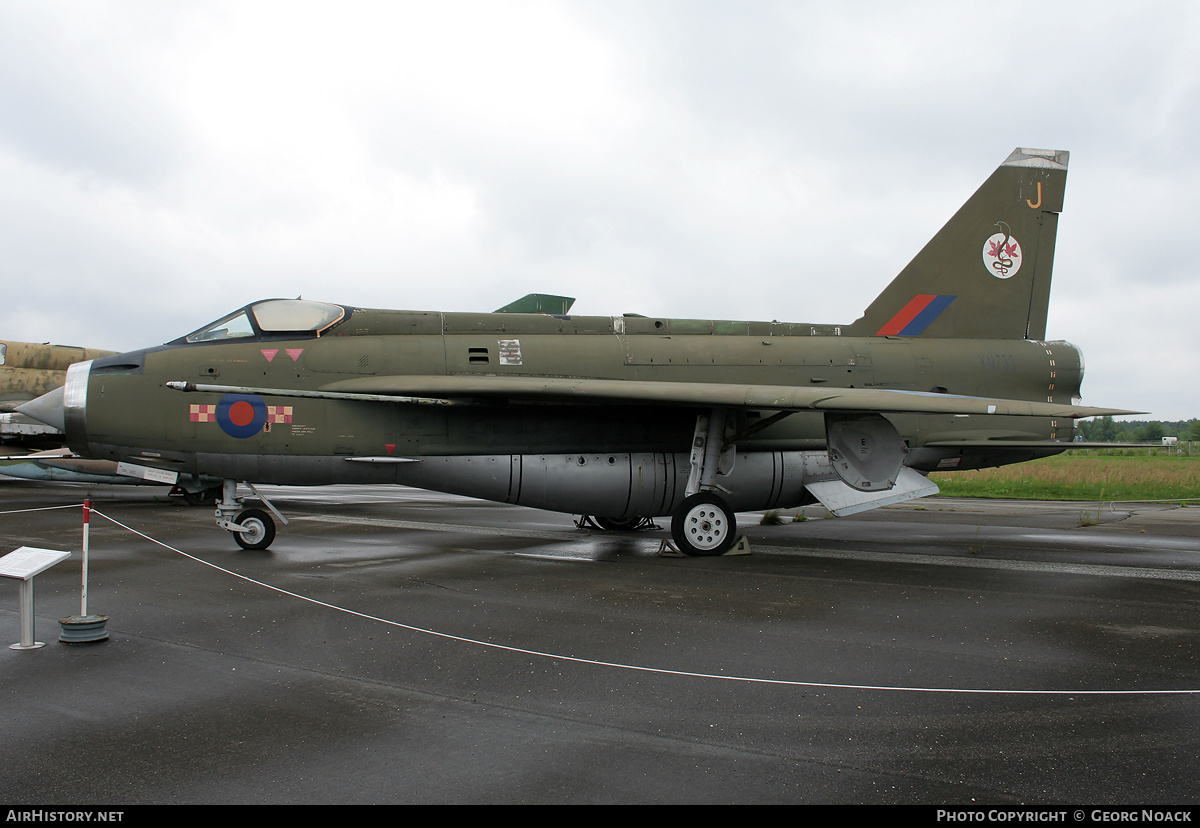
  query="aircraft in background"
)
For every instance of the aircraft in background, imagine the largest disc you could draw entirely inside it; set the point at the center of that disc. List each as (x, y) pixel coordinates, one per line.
(540, 303)
(29, 370)
(619, 417)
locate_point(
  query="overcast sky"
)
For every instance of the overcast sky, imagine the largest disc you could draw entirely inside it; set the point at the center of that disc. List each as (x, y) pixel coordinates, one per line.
(164, 163)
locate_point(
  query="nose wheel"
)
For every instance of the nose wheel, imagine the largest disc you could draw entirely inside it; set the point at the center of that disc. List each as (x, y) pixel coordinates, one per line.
(256, 529)
(704, 525)
(251, 528)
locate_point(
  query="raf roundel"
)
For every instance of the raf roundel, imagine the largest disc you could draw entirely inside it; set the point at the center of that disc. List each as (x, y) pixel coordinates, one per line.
(241, 415)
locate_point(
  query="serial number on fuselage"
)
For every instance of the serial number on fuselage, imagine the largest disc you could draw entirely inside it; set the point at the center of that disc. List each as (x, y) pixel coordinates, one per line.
(998, 362)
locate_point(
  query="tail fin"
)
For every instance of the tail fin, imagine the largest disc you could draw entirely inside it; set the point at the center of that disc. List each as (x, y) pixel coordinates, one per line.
(986, 274)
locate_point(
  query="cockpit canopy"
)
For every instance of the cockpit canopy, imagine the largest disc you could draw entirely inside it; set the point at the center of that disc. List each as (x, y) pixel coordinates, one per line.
(272, 318)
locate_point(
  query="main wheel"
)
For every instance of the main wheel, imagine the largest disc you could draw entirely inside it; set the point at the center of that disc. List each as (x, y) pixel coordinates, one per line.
(204, 497)
(618, 524)
(703, 525)
(260, 529)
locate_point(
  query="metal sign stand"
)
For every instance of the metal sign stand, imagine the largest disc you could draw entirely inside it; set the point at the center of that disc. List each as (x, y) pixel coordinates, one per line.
(23, 564)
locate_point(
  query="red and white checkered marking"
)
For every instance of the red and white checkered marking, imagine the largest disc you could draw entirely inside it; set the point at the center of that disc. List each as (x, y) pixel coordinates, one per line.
(202, 413)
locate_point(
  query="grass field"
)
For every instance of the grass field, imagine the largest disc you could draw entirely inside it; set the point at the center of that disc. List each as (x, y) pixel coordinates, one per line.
(1082, 476)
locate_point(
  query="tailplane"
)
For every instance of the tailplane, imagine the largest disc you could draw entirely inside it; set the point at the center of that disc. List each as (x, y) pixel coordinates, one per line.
(986, 274)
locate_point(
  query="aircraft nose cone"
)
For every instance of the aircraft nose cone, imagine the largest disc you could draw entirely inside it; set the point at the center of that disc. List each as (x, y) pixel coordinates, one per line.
(48, 409)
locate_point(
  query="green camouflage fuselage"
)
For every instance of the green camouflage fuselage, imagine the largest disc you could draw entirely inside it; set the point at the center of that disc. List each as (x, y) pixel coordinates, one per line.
(131, 414)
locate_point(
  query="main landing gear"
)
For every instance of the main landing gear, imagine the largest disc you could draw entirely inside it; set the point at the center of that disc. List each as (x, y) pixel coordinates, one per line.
(619, 524)
(203, 497)
(611, 524)
(251, 528)
(704, 524)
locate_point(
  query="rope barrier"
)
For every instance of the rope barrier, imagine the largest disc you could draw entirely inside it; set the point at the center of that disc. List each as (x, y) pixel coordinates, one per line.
(41, 509)
(634, 667)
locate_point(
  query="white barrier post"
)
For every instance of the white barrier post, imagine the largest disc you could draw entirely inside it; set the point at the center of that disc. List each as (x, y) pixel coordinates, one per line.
(84, 628)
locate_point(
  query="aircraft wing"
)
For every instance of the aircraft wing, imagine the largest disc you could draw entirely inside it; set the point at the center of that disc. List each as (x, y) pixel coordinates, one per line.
(1001, 442)
(691, 394)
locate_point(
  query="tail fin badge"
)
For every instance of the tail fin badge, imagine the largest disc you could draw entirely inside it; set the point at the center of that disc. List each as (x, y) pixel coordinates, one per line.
(1002, 253)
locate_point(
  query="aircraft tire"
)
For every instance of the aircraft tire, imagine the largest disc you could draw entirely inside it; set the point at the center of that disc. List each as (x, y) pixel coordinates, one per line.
(704, 525)
(618, 524)
(261, 526)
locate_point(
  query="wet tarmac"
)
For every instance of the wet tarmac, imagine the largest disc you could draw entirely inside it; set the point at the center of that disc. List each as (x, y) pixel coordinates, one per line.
(398, 646)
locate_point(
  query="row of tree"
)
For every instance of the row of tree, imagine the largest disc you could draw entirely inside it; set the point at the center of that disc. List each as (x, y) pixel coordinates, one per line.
(1108, 430)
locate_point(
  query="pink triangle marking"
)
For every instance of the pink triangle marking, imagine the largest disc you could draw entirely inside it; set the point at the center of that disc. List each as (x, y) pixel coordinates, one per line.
(295, 353)
(269, 353)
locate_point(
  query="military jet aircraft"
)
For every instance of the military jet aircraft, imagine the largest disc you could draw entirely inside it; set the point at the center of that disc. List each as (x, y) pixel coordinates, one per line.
(620, 417)
(28, 370)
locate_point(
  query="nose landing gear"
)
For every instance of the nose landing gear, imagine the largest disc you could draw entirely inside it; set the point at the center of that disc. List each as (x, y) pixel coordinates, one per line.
(251, 528)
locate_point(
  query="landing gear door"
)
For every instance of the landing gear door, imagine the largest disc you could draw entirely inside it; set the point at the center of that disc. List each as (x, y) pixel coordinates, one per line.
(865, 449)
